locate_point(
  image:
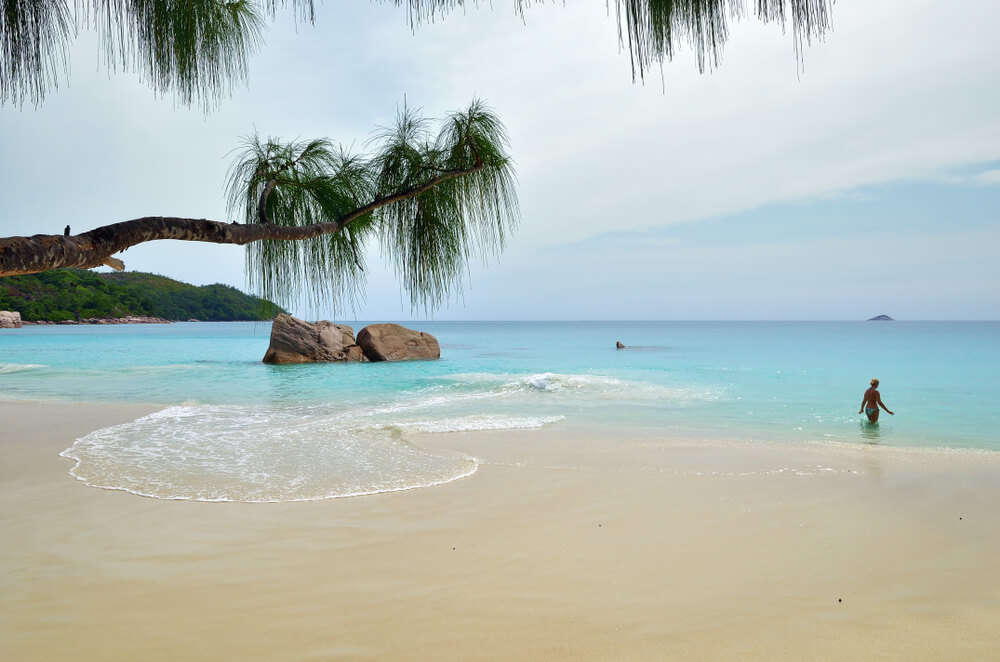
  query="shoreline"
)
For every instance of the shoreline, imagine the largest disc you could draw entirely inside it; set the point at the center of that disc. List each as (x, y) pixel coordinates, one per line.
(559, 547)
(131, 319)
(570, 428)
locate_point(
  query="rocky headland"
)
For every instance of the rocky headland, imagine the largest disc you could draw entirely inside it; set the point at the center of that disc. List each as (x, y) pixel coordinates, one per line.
(129, 319)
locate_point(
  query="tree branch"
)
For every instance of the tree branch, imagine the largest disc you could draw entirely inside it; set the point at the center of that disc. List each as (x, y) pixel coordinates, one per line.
(42, 252)
(262, 205)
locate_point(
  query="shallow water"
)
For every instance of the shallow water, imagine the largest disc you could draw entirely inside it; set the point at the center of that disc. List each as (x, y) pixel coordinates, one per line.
(236, 429)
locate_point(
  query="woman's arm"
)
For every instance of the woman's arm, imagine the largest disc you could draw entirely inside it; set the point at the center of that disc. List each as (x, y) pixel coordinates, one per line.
(882, 405)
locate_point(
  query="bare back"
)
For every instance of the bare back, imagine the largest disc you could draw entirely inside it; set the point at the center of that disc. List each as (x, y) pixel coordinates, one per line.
(871, 402)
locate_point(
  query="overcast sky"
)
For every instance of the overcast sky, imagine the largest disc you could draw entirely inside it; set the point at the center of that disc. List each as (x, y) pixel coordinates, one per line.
(867, 183)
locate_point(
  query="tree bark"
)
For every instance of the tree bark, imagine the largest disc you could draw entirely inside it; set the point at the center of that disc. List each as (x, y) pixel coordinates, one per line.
(42, 252)
(262, 205)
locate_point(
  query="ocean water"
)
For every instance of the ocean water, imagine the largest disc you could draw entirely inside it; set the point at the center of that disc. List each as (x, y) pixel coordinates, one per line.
(232, 428)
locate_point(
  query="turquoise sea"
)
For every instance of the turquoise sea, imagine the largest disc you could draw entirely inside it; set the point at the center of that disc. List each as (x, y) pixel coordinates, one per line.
(232, 428)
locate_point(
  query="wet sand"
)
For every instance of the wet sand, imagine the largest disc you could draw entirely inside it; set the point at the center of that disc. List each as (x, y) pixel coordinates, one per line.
(563, 546)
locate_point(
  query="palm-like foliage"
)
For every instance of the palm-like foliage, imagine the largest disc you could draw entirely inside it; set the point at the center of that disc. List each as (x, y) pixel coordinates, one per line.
(34, 38)
(299, 184)
(194, 48)
(197, 49)
(431, 201)
(652, 30)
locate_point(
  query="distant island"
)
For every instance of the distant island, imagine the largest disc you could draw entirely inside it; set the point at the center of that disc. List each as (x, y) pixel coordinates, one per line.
(881, 318)
(69, 295)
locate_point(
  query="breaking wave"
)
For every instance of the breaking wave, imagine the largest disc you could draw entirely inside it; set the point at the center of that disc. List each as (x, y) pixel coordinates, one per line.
(599, 386)
(9, 368)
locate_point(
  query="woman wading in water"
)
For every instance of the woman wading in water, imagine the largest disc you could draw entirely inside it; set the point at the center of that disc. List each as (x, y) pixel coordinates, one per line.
(871, 402)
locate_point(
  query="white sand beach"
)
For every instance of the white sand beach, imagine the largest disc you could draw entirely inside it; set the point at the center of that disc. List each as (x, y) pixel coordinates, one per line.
(560, 547)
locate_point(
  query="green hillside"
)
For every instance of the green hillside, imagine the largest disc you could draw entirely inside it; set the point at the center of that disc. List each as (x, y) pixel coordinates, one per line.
(71, 294)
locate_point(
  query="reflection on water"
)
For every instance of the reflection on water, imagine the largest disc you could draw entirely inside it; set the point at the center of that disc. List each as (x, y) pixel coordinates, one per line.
(870, 432)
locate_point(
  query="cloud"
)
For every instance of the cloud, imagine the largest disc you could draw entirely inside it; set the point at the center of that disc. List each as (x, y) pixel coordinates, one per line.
(595, 153)
(988, 178)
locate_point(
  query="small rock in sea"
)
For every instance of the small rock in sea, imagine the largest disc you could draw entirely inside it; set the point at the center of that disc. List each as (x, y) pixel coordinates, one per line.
(392, 342)
(959, 517)
(619, 345)
(453, 549)
(599, 525)
(10, 319)
(840, 599)
(296, 341)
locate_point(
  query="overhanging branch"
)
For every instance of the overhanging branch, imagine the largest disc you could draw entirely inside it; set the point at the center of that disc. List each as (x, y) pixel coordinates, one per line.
(28, 255)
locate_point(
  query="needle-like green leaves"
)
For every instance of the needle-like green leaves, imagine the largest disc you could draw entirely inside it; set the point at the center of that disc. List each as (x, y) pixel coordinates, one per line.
(652, 30)
(431, 201)
(197, 49)
(34, 43)
(194, 48)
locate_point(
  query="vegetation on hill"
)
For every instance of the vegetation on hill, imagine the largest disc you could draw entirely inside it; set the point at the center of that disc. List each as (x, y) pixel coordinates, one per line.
(73, 294)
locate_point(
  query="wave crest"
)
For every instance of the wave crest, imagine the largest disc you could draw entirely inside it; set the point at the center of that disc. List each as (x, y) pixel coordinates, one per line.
(10, 368)
(598, 386)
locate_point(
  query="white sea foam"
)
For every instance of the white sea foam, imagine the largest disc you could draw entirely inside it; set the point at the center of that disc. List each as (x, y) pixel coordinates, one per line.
(481, 394)
(597, 386)
(805, 470)
(302, 451)
(423, 401)
(550, 381)
(175, 412)
(9, 368)
(474, 423)
(255, 454)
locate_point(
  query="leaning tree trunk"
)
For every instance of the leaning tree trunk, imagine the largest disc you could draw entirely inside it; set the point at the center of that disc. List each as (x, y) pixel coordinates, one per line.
(28, 255)
(42, 252)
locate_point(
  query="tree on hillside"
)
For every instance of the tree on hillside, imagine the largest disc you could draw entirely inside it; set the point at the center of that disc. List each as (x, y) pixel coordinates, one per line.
(308, 208)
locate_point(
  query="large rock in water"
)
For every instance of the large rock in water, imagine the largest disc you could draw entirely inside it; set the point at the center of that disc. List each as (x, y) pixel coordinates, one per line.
(392, 342)
(10, 319)
(296, 341)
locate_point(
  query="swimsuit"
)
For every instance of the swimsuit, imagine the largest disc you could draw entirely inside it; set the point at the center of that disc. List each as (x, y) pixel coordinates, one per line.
(870, 411)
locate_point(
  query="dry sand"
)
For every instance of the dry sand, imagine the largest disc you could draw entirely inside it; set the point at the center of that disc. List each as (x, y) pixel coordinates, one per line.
(562, 547)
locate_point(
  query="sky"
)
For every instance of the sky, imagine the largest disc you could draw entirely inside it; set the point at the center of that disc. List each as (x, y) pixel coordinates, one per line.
(865, 181)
